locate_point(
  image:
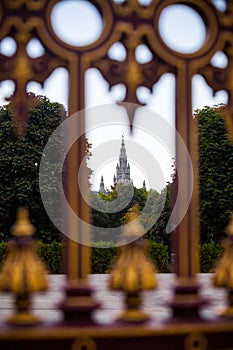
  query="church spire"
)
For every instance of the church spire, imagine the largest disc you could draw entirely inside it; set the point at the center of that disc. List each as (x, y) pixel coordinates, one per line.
(144, 185)
(102, 190)
(122, 168)
(122, 142)
(123, 150)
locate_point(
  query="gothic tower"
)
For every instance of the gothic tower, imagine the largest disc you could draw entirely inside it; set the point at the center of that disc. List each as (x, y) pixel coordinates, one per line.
(102, 189)
(122, 169)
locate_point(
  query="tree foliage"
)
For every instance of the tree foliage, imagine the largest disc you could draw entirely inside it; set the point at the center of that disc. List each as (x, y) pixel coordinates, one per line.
(19, 165)
(163, 204)
(19, 181)
(216, 173)
(216, 184)
(153, 207)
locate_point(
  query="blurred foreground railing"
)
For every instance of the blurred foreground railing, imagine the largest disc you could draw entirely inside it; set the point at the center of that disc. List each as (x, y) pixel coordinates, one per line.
(130, 24)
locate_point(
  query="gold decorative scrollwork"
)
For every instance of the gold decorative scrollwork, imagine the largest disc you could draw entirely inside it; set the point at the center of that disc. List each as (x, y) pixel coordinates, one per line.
(210, 17)
(30, 4)
(0, 13)
(22, 68)
(82, 343)
(108, 26)
(195, 341)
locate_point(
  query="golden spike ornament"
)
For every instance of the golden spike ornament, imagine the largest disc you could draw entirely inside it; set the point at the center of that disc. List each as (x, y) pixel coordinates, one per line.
(23, 272)
(224, 272)
(133, 271)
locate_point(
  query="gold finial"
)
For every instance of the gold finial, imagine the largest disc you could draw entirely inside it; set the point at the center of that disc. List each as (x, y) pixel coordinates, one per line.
(26, 276)
(134, 228)
(229, 229)
(22, 226)
(224, 272)
(133, 272)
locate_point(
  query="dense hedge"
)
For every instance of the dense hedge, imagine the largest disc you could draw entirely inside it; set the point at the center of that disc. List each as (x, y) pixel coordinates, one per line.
(103, 258)
(3, 252)
(210, 253)
(159, 254)
(52, 255)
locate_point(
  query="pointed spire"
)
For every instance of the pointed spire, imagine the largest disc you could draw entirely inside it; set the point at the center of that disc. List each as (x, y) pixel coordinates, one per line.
(123, 157)
(144, 185)
(122, 141)
(123, 167)
(102, 190)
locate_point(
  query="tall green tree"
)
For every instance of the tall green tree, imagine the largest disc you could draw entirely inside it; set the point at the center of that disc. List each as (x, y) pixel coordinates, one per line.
(19, 165)
(216, 173)
(163, 204)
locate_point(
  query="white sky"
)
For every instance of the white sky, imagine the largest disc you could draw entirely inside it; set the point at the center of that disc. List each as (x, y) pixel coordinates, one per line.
(186, 35)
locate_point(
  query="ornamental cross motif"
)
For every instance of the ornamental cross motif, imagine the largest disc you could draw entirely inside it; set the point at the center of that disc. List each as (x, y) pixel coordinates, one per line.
(129, 23)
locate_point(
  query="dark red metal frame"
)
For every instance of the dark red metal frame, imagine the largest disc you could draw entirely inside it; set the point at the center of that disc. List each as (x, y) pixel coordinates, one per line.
(132, 25)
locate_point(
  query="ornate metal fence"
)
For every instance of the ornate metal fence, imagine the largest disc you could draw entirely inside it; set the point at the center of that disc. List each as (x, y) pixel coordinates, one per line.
(131, 24)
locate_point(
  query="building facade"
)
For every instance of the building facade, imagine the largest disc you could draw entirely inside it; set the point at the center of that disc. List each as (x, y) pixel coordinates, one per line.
(122, 174)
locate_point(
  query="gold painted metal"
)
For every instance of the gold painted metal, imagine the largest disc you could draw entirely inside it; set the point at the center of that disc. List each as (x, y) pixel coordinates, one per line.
(30, 4)
(23, 273)
(133, 272)
(224, 271)
(35, 22)
(195, 341)
(84, 343)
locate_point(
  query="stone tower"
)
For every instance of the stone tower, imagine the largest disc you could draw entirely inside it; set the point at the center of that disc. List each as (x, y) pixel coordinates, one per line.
(122, 169)
(144, 185)
(102, 189)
